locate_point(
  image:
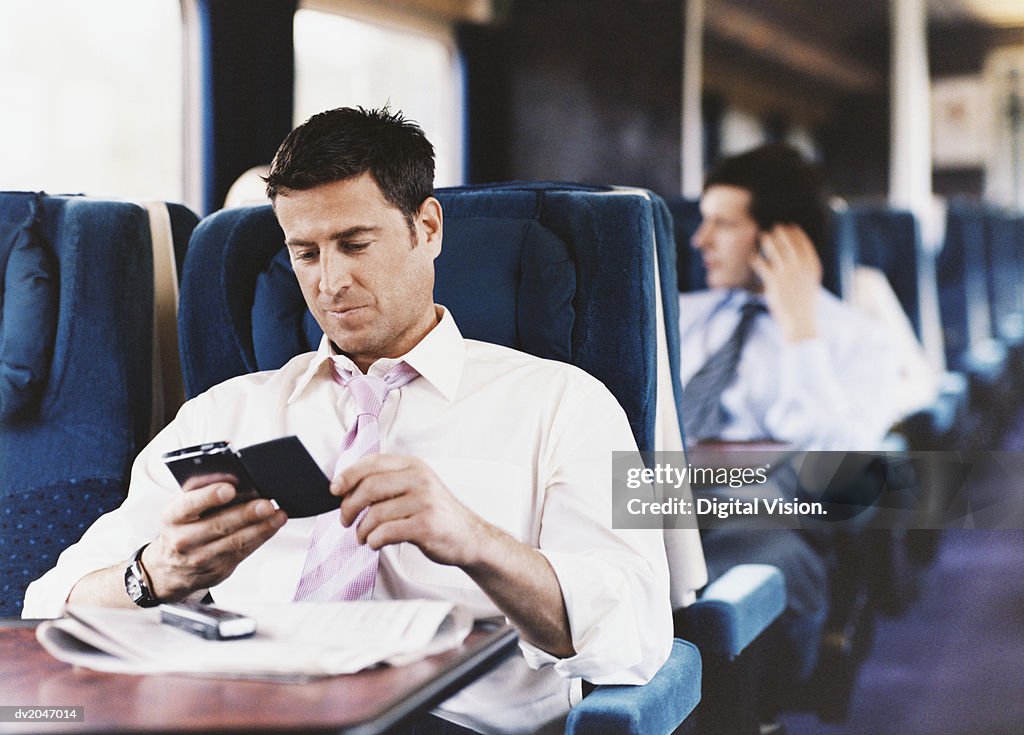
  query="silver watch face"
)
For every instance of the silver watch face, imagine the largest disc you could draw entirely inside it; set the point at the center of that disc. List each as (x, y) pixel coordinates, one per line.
(135, 586)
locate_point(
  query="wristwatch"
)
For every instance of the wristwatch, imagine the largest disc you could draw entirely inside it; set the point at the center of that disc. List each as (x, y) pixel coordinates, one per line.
(136, 582)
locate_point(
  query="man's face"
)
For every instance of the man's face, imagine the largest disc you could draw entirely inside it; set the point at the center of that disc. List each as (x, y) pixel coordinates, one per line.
(727, 237)
(366, 278)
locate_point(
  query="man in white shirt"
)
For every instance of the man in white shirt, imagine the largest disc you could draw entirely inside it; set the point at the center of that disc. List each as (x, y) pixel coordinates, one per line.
(805, 368)
(492, 485)
(812, 370)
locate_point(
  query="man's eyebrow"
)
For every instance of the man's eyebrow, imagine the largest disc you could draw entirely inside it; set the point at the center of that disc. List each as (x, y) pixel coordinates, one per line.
(340, 236)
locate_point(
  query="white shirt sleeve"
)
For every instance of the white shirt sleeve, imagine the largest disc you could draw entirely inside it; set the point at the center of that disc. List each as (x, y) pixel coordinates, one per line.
(840, 393)
(614, 582)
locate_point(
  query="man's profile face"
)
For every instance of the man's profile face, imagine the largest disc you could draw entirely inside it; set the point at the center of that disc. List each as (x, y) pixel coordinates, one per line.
(366, 278)
(727, 237)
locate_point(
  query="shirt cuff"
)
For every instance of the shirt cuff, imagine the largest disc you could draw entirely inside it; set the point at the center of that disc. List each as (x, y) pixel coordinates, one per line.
(620, 634)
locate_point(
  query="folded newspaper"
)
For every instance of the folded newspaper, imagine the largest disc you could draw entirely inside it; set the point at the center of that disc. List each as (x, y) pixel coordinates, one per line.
(293, 641)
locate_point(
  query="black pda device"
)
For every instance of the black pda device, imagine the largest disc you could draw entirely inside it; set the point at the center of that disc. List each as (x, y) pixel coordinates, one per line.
(280, 470)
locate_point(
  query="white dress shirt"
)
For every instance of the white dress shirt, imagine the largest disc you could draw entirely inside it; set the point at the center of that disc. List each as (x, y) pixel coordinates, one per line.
(525, 443)
(835, 392)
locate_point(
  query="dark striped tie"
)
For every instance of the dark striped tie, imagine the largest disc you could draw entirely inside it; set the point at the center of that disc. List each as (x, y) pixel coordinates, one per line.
(703, 413)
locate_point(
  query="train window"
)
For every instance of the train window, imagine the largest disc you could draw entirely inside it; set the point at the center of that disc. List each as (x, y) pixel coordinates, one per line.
(801, 138)
(93, 97)
(741, 131)
(342, 60)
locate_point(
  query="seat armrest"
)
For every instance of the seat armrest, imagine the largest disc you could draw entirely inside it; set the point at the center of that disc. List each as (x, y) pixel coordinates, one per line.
(986, 362)
(944, 415)
(659, 706)
(734, 609)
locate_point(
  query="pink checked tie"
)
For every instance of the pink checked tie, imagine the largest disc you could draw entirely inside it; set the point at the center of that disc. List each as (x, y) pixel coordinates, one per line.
(337, 566)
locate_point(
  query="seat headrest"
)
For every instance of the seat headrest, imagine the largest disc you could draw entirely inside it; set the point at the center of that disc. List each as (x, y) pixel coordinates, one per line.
(506, 280)
(29, 297)
(886, 239)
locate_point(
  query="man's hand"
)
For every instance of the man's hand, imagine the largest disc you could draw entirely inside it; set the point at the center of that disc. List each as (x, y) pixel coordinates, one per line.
(407, 502)
(201, 540)
(790, 270)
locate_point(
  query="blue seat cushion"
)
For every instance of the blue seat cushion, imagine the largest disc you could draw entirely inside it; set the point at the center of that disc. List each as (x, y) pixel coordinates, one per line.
(735, 608)
(282, 326)
(658, 706)
(516, 266)
(28, 307)
(522, 270)
(37, 524)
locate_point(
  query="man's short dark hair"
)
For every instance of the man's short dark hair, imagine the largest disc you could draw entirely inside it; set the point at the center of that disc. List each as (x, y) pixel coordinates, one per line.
(784, 188)
(347, 142)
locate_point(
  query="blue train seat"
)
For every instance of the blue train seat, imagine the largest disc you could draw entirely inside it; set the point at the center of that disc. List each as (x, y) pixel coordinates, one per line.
(1005, 272)
(550, 282)
(889, 240)
(78, 283)
(971, 346)
(686, 219)
(722, 625)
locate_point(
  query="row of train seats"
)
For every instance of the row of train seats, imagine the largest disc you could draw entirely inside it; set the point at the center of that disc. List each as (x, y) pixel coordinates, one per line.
(964, 306)
(78, 344)
(90, 284)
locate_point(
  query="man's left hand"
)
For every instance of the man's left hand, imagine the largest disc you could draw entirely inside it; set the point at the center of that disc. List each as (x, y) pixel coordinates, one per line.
(790, 271)
(407, 502)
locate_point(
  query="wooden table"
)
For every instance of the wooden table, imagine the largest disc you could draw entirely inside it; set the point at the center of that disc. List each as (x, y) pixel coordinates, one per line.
(358, 704)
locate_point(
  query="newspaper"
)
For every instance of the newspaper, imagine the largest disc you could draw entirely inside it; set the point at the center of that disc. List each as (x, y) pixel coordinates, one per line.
(293, 641)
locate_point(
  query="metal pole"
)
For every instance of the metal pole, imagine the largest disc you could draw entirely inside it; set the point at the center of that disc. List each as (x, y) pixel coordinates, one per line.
(910, 165)
(691, 145)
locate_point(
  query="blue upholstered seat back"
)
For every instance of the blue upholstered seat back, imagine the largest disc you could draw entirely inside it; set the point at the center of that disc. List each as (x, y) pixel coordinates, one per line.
(886, 239)
(1005, 271)
(686, 219)
(961, 278)
(183, 221)
(556, 270)
(65, 459)
(28, 285)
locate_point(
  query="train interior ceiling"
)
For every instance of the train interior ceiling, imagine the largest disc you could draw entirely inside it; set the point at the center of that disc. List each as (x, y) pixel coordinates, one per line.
(910, 108)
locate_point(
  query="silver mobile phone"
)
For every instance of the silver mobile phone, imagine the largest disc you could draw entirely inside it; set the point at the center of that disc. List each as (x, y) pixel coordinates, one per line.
(207, 621)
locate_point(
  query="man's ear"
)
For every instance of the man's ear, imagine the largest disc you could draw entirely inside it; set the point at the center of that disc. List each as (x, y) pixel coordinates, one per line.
(430, 226)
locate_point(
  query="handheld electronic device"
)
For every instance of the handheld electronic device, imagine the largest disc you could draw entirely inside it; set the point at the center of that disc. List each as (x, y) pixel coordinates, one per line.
(280, 470)
(207, 621)
(210, 462)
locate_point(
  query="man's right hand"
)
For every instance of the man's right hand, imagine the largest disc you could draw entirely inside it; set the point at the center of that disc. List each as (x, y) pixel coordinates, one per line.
(790, 272)
(202, 540)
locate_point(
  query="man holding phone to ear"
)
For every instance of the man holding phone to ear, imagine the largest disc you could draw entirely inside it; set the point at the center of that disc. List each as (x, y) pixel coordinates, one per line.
(807, 362)
(767, 354)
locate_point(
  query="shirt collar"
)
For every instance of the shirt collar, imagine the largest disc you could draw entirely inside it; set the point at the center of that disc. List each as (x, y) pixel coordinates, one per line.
(439, 358)
(733, 300)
